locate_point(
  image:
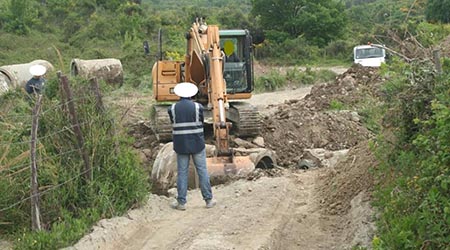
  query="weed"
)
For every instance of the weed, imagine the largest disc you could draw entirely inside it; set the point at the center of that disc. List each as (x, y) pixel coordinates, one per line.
(336, 105)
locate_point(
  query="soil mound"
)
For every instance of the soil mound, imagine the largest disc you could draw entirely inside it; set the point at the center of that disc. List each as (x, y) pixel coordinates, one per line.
(311, 123)
(347, 179)
(295, 128)
(349, 89)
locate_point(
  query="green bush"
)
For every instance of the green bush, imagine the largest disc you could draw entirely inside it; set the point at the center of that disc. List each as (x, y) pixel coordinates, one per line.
(414, 191)
(340, 49)
(270, 82)
(336, 105)
(290, 51)
(66, 229)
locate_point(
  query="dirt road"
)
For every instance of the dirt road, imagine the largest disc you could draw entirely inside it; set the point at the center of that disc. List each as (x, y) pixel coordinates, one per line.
(268, 213)
(294, 209)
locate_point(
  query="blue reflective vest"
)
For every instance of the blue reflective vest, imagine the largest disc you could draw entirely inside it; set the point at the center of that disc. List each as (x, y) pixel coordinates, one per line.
(34, 85)
(187, 126)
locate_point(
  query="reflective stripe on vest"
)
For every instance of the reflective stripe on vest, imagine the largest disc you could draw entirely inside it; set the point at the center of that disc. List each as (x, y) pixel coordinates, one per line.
(197, 123)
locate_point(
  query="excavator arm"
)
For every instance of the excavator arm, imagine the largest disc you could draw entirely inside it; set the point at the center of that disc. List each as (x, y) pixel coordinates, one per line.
(204, 67)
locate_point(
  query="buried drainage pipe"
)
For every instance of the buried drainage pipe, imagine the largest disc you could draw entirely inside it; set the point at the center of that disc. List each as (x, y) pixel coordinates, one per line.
(164, 171)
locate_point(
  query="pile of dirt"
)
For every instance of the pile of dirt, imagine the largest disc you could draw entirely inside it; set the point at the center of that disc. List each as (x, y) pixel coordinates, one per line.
(309, 123)
(300, 125)
(145, 142)
(350, 88)
(295, 128)
(347, 179)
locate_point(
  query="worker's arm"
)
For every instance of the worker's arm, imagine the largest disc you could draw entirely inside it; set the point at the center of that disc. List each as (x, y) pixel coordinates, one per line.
(169, 111)
(201, 118)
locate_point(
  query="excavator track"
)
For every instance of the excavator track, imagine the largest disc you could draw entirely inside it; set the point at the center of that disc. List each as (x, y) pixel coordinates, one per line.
(246, 119)
(162, 127)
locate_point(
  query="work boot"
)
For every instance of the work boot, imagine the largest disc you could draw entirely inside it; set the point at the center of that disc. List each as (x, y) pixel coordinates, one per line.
(210, 203)
(178, 206)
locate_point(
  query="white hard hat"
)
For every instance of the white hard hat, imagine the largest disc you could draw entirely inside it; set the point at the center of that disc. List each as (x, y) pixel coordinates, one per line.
(37, 70)
(185, 89)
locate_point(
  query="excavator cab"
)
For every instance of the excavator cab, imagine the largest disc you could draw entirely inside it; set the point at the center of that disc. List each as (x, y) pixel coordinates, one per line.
(238, 63)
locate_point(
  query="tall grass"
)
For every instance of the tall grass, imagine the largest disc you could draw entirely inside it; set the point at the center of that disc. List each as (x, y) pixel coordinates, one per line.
(69, 204)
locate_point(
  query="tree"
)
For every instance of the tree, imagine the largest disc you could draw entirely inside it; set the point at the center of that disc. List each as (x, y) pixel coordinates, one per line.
(438, 11)
(18, 16)
(232, 18)
(320, 21)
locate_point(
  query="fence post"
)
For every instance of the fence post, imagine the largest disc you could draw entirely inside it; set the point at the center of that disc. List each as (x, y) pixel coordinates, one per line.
(101, 108)
(61, 93)
(437, 60)
(76, 126)
(35, 213)
(98, 96)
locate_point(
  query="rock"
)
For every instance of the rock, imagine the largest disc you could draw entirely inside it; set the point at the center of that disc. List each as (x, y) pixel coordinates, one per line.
(355, 117)
(244, 143)
(172, 192)
(143, 156)
(305, 164)
(137, 144)
(147, 152)
(259, 141)
(328, 155)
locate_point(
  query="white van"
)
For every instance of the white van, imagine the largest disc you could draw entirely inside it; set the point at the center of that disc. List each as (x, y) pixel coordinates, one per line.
(372, 55)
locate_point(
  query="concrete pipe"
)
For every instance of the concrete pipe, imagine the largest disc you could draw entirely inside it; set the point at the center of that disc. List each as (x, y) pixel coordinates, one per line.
(17, 75)
(4, 83)
(110, 70)
(164, 171)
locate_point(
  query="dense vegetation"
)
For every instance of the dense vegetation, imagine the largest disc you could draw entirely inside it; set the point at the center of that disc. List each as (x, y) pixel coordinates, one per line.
(414, 150)
(68, 199)
(413, 141)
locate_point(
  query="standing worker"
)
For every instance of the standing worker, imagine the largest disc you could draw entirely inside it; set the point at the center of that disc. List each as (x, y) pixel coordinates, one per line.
(188, 140)
(36, 84)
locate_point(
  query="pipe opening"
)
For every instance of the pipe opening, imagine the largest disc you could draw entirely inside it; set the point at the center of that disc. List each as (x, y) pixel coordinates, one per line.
(265, 163)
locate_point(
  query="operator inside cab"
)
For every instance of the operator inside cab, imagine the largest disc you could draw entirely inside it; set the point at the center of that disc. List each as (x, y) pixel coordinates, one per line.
(230, 52)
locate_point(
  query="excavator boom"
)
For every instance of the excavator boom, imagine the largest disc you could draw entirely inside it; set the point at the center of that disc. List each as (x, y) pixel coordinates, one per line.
(204, 67)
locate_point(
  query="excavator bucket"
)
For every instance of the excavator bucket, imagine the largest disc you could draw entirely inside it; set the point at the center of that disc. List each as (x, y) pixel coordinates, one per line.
(220, 168)
(223, 168)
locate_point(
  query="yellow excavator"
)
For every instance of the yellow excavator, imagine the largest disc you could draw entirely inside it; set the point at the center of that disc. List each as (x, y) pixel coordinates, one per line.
(220, 63)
